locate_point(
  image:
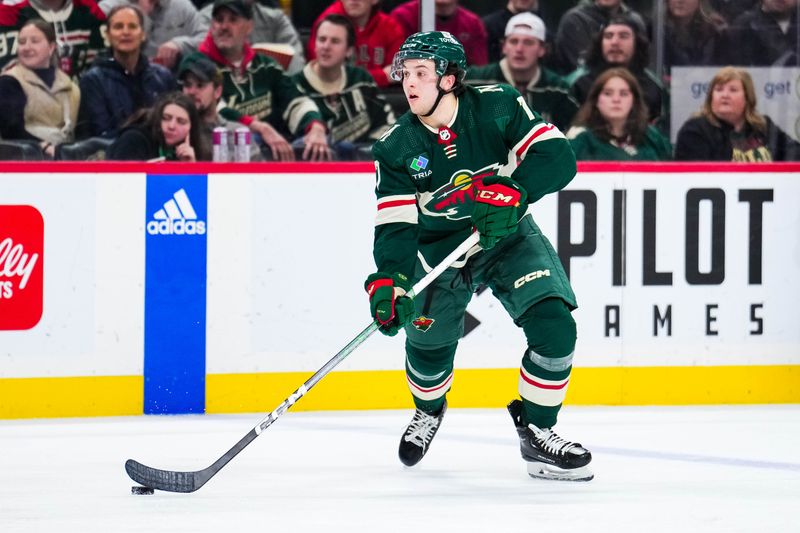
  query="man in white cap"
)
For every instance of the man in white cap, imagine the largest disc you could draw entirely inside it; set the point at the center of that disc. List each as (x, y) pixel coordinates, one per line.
(523, 48)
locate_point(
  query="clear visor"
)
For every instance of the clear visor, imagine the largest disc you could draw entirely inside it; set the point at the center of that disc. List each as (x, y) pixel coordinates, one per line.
(402, 56)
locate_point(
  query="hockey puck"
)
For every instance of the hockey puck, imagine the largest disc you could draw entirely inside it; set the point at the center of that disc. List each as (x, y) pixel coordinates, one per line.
(137, 489)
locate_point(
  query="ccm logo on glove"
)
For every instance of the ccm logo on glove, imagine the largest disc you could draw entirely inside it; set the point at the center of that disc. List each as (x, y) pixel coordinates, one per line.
(499, 195)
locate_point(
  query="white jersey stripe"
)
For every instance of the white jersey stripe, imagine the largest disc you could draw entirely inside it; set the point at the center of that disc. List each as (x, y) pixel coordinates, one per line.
(401, 213)
(541, 132)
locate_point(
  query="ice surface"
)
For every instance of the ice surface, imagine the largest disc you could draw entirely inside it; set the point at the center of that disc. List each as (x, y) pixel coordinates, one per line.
(705, 469)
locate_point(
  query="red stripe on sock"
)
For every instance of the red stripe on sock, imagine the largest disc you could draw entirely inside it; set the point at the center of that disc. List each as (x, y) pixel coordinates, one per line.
(541, 385)
(448, 380)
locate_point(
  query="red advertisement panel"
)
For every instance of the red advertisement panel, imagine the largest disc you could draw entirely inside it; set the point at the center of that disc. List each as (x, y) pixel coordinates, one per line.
(21, 266)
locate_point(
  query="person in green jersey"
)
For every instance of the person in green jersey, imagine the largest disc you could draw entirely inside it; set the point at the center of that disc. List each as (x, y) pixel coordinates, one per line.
(612, 123)
(346, 95)
(467, 159)
(524, 47)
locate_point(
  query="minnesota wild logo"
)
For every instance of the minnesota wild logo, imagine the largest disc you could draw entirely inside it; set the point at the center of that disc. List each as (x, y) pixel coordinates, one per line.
(423, 323)
(454, 199)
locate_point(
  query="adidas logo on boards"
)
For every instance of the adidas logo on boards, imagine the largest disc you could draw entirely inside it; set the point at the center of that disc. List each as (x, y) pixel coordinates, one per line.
(177, 217)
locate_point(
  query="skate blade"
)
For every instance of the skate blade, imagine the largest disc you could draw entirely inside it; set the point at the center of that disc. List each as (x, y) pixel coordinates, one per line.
(553, 473)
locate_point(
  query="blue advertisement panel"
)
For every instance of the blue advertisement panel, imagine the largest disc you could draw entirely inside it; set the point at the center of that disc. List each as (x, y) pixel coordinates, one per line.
(175, 294)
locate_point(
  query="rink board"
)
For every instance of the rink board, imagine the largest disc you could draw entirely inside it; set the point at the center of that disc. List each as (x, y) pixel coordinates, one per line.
(226, 296)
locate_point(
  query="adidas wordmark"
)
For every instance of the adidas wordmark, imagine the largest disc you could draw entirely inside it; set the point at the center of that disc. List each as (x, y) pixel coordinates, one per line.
(177, 217)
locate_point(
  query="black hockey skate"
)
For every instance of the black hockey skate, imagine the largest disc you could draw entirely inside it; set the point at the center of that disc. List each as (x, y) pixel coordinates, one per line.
(548, 455)
(418, 436)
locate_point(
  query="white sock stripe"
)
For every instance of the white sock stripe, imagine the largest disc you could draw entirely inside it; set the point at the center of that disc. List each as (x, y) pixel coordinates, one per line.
(544, 383)
(429, 393)
(540, 391)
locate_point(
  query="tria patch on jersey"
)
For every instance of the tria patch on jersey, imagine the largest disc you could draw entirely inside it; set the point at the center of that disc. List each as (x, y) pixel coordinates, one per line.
(423, 323)
(455, 199)
(418, 166)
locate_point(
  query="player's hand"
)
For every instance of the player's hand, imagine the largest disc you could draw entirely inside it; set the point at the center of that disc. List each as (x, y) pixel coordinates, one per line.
(388, 304)
(317, 148)
(184, 151)
(496, 211)
(281, 149)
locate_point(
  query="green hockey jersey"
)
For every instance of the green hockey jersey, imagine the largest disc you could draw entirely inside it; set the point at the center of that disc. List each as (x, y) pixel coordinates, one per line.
(265, 92)
(351, 107)
(588, 147)
(426, 179)
(547, 94)
(80, 28)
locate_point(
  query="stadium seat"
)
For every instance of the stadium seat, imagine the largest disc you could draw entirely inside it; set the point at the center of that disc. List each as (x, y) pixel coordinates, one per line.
(91, 149)
(20, 151)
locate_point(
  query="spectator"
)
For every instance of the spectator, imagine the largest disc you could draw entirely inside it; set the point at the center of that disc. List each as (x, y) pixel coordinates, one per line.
(256, 91)
(728, 127)
(766, 35)
(730, 9)
(612, 124)
(693, 34)
(622, 43)
(78, 25)
(523, 49)
(460, 22)
(167, 132)
(270, 25)
(580, 24)
(122, 81)
(37, 100)
(346, 95)
(173, 28)
(201, 80)
(496, 21)
(378, 36)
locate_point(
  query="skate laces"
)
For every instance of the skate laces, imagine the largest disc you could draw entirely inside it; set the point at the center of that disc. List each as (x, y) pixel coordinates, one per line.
(551, 442)
(420, 430)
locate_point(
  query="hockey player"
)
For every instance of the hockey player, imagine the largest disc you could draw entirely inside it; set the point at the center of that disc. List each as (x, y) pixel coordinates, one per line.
(463, 159)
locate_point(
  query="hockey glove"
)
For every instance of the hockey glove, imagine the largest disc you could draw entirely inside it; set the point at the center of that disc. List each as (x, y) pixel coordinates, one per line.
(496, 211)
(387, 301)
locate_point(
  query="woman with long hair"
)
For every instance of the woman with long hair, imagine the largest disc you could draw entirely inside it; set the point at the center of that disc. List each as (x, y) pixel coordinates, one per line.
(122, 80)
(171, 131)
(693, 34)
(38, 102)
(612, 125)
(729, 128)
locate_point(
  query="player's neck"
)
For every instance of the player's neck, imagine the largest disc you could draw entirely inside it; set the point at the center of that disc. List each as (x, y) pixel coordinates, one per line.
(444, 112)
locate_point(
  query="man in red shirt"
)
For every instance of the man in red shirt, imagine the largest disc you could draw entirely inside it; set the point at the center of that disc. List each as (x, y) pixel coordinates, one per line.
(460, 22)
(378, 36)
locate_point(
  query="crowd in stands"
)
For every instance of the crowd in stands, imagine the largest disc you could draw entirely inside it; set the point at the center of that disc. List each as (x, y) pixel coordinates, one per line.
(310, 79)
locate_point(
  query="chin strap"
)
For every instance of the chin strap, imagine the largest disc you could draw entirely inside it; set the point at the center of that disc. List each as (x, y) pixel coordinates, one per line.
(438, 98)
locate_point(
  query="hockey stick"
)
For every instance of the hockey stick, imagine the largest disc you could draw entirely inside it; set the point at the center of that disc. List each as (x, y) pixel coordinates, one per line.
(174, 481)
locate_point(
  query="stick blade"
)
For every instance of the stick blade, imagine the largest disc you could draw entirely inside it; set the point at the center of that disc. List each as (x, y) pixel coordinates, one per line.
(166, 480)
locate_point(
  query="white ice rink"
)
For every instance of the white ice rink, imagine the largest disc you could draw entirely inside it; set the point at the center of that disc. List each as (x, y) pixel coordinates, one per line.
(704, 469)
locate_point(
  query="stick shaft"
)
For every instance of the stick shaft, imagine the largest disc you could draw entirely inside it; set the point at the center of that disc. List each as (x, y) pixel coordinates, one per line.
(418, 287)
(177, 481)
